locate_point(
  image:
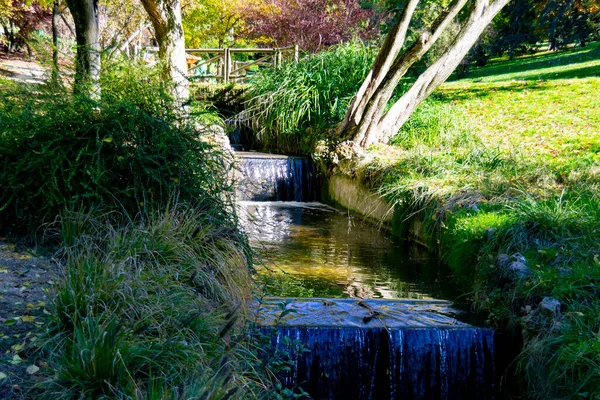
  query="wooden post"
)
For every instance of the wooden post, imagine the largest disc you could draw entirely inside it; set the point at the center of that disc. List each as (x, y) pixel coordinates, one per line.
(279, 58)
(296, 54)
(274, 58)
(227, 65)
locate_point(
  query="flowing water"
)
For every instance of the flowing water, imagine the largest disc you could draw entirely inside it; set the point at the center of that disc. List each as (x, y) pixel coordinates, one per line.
(335, 254)
(377, 323)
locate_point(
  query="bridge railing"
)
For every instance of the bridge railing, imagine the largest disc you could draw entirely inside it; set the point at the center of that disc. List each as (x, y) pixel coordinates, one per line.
(219, 64)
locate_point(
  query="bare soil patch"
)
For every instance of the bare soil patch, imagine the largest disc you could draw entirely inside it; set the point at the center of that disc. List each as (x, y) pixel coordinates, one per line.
(26, 281)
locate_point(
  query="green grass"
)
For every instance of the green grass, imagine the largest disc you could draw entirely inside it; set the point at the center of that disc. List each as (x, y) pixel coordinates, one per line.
(507, 161)
(152, 307)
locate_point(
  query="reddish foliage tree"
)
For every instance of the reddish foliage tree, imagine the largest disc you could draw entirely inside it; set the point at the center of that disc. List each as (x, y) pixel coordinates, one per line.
(23, 19)
(311, 24)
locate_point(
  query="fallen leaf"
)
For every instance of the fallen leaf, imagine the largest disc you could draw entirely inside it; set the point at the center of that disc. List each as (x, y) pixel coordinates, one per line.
(32, 369)
(10, 322)
(108, 139)
(3, 376)
(28, 318)
(16, 360)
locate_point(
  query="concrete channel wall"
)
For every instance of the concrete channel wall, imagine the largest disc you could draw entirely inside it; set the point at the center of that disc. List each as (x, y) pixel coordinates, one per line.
(348, 194)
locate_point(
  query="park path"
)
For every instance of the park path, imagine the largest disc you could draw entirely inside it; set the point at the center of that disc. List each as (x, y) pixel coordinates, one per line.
(16, 67)
(26, 287)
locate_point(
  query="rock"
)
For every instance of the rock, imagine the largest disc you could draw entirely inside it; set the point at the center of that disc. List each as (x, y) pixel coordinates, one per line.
(502, 261)
(518, 269)
(513, 266)
(490, 233)
(518, 258)
(550, 307)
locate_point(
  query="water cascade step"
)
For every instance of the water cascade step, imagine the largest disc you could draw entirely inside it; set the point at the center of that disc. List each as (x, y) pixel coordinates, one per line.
(273, 177)
(380, 349)
(405, 344)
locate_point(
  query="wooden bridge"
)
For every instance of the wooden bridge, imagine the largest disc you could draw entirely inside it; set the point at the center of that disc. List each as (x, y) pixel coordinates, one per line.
(221, 66)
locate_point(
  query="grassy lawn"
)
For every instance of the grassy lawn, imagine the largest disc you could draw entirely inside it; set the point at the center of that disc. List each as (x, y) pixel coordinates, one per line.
(506, 163)
(544, 105)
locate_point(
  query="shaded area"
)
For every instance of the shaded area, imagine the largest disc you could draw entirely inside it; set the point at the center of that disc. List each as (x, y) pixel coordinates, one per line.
(338, 255)
(559, 65)
(355, 363)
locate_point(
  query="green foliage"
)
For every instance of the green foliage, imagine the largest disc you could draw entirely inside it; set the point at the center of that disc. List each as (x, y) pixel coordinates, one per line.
(130, 151)
(488, 169)
(144, 306)
(293, 107)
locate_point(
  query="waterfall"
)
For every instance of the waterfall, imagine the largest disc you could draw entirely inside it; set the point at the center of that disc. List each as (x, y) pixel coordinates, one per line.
(379, 349)
(265, 177)
(377, 363)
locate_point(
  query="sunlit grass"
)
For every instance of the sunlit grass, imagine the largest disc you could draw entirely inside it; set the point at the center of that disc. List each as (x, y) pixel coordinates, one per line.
(508, 161)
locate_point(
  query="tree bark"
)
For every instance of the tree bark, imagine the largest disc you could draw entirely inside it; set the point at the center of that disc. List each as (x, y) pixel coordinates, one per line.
(165, 16)
(383, 129)
(87, 59)
(55, 69)
(366, 121)
(376, 104)
(389, 51)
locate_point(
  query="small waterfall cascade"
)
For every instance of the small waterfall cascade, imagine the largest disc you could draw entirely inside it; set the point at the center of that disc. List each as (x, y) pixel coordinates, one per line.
(381, 349)
(271, 177)
(396, 347)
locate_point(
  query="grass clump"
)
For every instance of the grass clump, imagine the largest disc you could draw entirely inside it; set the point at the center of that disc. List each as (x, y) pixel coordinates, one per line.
(151, 308)
(291, 108)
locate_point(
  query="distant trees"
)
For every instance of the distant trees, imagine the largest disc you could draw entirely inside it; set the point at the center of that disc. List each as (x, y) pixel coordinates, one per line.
(567, 21)
(19, 19)
(312, 24)
(524, 23)
(213, 23)
(516, 28)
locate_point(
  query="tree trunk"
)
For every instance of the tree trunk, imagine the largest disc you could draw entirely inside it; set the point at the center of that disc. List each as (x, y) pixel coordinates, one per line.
(165, 16)
(366, 121)
(55, 69)
(379, 98)
(87, 59)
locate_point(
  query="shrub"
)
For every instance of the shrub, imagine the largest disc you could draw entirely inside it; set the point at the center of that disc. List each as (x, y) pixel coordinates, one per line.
(130, 151)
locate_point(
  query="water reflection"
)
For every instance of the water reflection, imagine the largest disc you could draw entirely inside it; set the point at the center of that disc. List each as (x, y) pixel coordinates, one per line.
(334, 254)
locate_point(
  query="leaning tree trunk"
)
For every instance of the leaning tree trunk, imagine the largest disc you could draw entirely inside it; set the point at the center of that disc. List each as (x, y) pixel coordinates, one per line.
(87, 59)
(366, 121)
(165, 16)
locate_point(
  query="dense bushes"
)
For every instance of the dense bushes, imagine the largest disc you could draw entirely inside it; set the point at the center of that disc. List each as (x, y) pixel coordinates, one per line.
(128, 151)
(155, 274)
(292, 108)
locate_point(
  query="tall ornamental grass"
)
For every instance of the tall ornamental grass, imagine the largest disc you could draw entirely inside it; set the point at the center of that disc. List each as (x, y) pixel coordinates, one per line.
(151, 307)
(293, 107)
